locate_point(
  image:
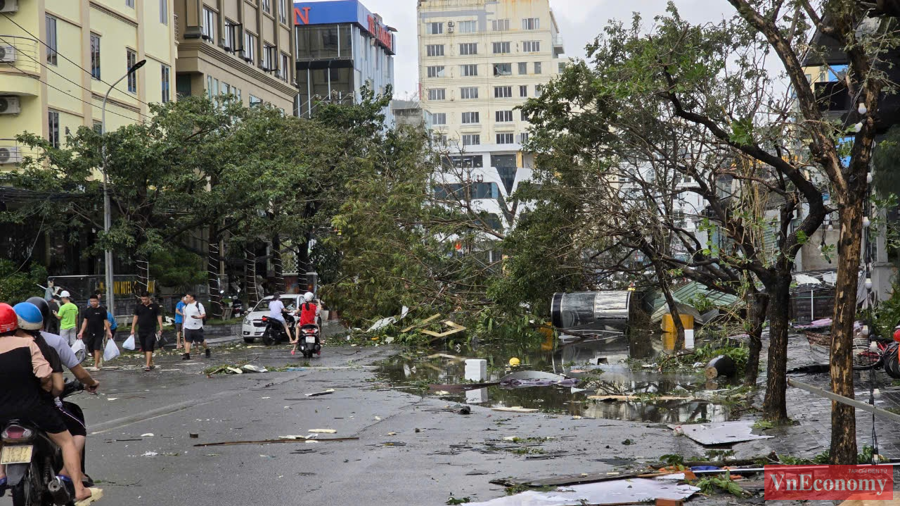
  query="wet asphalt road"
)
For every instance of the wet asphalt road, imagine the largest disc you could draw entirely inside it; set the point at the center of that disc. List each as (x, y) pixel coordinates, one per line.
(411, 450)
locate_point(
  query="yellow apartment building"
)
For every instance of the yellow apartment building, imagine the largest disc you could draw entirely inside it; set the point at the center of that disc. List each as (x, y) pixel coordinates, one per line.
(58, 58)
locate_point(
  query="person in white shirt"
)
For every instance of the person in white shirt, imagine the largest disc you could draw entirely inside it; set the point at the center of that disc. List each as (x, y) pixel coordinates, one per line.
(276, 308)
(194, 314)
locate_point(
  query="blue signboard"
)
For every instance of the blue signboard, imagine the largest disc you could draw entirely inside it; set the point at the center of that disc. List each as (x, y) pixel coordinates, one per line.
(343, 11)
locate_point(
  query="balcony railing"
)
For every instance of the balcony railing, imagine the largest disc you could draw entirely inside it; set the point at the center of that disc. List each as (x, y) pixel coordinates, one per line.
(21, 53)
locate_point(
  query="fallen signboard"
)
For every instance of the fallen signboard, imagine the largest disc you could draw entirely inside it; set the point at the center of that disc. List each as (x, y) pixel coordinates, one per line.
(721, 433)
(621, 491)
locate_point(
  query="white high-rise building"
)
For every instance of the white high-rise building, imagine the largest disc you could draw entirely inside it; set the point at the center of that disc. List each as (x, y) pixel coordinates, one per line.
(478, 61)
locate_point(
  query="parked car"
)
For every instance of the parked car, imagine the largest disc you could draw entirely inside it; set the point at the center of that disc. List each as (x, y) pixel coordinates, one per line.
(253, 326)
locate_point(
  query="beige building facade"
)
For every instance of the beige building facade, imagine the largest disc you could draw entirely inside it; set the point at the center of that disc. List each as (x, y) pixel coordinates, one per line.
(243, 48)
(58, 58)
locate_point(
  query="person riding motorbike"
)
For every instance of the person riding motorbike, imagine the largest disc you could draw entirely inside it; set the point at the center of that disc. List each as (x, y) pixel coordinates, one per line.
(309, 314)
(278, 312)
(26, 376)
(71, 413)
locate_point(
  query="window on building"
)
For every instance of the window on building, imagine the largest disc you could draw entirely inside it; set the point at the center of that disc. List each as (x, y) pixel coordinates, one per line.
(502, 69)
(469, 48)
(505, 138)
(98, 127)
(439, 118)
(538, 67)
(52, 55)
(531, 46)
(523, 138)
(249, 47)
(434, 50)
(166, 83)
(531, 24)
(267, 6)
(164, 12)
(562, 67)
(283, 12)
(437, 94)
(131, 59)
(208, 28)
(470, 70)
(469, 118)
(500, 25)
(434, 28)
(523, 68)
(53, 128)
(268, 57)
(501, 47)
(468, 26)
(504, 116)
(230, 36)
(538, 89)
(285, 70)
(436, 71)
(255, 101)
(471, 140)
(502, 91)
(523, 90)
(465, 162)
(330, 74)
(129, 3)
(95, 56)
(209, 87)
(469, 93)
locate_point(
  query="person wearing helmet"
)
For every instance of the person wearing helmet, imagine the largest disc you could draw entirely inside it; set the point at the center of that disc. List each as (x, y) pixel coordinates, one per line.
(308, 311)
(68, 318)
(21, 397)
(71, 413)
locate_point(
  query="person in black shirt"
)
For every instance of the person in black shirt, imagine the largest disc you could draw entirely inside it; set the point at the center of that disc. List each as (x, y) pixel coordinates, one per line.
(147, 319)
(53, 323)
(93, 329)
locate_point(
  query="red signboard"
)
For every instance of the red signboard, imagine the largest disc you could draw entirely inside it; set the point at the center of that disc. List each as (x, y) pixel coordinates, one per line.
(829, 483)
(381, 33)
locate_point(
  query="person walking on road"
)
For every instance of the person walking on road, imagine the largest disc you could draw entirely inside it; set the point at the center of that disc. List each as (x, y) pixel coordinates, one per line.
(194, 314)
(147, 319)
(179, 322)
(68, 318)
(94, 328)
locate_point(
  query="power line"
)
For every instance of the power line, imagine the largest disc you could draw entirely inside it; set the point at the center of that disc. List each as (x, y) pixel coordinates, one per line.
(64, 77)
(86, 71)
(73, 96)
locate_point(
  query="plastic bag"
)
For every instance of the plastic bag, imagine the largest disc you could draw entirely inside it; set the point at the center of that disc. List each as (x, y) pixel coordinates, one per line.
(111, 351)
(129, 343)
(79, 350)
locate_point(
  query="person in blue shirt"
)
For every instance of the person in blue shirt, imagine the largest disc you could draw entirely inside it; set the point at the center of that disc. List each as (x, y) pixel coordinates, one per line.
(179, 322)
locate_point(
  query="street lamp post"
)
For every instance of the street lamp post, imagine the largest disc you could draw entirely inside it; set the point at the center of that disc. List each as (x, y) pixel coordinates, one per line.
(107, 215)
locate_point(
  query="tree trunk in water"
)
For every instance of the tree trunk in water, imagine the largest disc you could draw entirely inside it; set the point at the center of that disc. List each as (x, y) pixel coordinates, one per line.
(757, 305)
(843, 417)
(250, 276)
(213, 284)
(775, 403)
(278, 264)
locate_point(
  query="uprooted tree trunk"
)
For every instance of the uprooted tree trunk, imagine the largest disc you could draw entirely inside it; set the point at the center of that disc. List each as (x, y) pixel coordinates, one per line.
(757, 306)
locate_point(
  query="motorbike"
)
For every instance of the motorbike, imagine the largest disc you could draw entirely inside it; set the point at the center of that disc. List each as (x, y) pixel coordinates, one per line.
(274, 332)
(33, 462)
(310, 343)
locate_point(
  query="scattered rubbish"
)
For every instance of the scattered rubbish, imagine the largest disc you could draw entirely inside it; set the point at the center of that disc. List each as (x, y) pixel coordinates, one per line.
(628, 442)
(322, 431)
(149, 434)
(421, 324)
(128, 440)
(393, 443)
(516, 409)
(386, 322)
(442, 392)
(274, 441)
(454, 327)
(722, 365)
(465, 410)
(619, 491)
(150, 454)
(112, 398)
(317, 394)
(721, 433)
(526, 379)
(377, 418)
(194, 436)
(295, 438)
(477, 472)
(448, 357)
(253, 368)
(295, 369)
(391, 433)
(476, 369)
(638, 398)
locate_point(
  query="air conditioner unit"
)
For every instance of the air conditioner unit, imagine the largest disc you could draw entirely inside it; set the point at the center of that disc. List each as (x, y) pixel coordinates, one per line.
(7, 54)
(9, 5)
(9, 105)
(10, 155)
(450, 26)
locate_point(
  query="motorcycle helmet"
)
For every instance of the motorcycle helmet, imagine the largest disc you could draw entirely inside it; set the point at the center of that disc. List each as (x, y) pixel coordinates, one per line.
(42, 305)
(29, 316)
(9, 322)
(308, 296)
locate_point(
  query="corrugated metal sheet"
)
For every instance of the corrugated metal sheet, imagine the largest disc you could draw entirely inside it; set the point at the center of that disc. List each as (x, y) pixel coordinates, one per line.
(686, 293)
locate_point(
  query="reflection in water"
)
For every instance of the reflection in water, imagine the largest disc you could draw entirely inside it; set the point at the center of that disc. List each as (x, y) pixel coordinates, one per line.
(586, 361)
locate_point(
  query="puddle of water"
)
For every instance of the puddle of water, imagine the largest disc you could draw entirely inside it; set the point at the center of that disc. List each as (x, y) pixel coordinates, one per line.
(598, 364)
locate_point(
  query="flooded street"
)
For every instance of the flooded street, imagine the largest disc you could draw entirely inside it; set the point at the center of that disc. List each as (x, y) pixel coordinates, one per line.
(609, 384)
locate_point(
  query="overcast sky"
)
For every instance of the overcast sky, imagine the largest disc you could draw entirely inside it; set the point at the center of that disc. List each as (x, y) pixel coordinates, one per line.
(580, 21)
